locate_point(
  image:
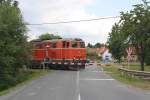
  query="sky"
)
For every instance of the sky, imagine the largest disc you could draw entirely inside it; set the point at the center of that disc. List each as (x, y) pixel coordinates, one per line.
(47, 11)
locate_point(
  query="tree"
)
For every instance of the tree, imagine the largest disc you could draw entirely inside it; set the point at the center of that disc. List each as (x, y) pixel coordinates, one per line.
(91, 55)
(136, 26)
(147, 58)
(116, 42)
(90, 45)
(14, 49)
(48, 36)
(133, 30)
(98, 45)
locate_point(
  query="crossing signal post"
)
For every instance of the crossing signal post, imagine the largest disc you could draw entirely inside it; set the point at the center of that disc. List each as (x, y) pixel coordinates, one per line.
(129, 52)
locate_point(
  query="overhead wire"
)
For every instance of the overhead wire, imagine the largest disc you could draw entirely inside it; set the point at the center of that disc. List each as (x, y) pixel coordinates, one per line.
(63, 22)
(74, 21)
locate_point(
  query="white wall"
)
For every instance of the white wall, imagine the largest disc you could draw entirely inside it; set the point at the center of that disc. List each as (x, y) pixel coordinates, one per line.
(109, 55)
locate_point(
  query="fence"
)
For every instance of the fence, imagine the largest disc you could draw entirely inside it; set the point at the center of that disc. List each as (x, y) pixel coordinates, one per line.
(141, 74)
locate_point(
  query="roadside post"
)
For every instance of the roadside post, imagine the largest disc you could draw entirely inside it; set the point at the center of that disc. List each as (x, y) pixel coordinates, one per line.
(46, 59)
(129, 51)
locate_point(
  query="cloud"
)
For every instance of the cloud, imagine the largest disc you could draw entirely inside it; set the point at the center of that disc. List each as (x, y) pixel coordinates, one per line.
(65, 10)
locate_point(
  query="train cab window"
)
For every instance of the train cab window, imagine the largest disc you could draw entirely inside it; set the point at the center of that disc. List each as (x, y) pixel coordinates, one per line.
(64, 44)
(82, 45)
(53, 45)
(67, 44)
(74, 44)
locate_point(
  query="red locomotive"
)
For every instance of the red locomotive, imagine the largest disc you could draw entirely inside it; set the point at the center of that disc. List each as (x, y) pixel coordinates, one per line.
(59, 53)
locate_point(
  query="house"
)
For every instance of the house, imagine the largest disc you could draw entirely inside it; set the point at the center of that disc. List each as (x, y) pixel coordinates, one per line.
(102, 52)
(107, 56)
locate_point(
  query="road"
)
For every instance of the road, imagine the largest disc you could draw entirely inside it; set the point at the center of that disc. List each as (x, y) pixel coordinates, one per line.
(89, 84)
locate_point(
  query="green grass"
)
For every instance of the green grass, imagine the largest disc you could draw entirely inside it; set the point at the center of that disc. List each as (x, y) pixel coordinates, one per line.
(24, 78)
(133, 81)
(136, 66)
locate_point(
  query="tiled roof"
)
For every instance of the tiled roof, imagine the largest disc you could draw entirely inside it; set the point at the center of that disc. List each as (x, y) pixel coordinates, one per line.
(98, 50)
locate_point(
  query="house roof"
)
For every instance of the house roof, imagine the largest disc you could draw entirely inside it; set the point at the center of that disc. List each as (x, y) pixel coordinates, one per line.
(98, 50)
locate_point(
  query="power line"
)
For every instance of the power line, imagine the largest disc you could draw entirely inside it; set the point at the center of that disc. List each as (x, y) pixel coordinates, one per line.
(63, 22)
(75, 21)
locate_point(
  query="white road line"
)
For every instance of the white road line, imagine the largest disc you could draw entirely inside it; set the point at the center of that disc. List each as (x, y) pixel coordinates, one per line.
(79, 97)
(91, 79)
(95, 71)
(98, 71)
(77, 82)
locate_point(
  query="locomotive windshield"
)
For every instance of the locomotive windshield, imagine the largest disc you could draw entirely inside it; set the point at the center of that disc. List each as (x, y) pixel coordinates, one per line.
(66, 44)
(74, 44)
(82, 44)
(53, 44)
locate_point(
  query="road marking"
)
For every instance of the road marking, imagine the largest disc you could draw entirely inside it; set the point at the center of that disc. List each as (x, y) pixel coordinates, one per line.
(77, 82)
(79, 97)
(91, 79)
(98, 71)
(94, 71)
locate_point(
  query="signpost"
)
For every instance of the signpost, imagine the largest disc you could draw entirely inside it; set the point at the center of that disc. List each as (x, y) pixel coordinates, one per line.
(129, 51)
(46, 59)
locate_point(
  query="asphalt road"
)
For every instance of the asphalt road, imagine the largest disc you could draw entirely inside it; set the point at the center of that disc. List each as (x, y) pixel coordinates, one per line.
(89, 84)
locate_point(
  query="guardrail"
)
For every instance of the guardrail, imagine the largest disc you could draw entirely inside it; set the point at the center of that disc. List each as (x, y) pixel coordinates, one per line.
(133, 73)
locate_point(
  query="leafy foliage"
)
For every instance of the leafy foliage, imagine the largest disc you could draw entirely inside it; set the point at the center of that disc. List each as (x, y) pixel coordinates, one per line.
(14, 49)
(97, 45)
(48, 36)
(91, 55)
(134, 31)
(116, 42)
(147, 58)
(90, 45)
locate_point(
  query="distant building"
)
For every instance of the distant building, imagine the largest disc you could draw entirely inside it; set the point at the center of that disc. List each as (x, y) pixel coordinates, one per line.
(102, 52)
(107, 56)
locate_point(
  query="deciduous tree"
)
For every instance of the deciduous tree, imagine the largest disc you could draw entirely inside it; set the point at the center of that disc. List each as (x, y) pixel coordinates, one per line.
(14, 51)
(48, 36)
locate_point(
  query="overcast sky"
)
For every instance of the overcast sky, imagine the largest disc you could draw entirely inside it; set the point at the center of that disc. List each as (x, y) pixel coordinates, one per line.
(39, 11)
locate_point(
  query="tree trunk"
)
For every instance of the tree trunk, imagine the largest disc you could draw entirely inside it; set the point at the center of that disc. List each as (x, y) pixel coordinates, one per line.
(142, 59)
(142, 64)
(119, 60)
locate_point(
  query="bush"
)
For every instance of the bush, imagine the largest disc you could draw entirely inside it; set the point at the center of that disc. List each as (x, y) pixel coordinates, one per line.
(14, 48)
(9, 80)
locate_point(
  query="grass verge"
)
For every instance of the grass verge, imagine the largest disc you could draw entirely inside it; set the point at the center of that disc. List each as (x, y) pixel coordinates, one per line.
(25, 78)
(136, 66)
(133, 81)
